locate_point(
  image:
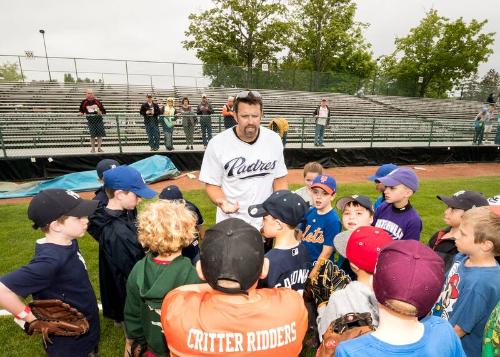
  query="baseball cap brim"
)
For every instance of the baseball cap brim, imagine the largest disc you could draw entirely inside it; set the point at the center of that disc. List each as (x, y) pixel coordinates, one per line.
(340, 242)
(257, 210)
(388, 181)
(450, 201)
(373, 178)
(83, 209)
(144, 192)
(324, 187)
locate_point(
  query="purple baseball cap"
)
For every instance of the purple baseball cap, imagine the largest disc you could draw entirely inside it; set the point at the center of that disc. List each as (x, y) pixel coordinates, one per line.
(403, 176)
(382, 171)
(409, 271)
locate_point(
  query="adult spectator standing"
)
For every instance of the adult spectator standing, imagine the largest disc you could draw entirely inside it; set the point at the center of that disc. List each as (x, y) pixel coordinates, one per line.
(150, 112)
(245, 164)
(322, 119)
(280, 126)
(479, 122)
(491, 118)
(188, 122)
(205, 110)
(93, 109)
(228, 113)
(168, 122)
(490, 99)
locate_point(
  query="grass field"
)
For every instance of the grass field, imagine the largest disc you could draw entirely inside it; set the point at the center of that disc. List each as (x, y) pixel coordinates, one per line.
(17, 242)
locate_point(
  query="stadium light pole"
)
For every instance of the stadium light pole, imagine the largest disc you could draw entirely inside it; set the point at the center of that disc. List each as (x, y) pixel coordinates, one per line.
(46, 57)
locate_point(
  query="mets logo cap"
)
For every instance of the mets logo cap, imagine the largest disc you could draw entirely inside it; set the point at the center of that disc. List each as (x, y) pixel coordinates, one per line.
(325, 182)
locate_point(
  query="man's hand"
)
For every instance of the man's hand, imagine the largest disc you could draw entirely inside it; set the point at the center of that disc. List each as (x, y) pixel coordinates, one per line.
(226, 206)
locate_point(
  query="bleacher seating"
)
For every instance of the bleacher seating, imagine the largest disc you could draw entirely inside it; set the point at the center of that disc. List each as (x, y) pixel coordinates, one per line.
(45, 115)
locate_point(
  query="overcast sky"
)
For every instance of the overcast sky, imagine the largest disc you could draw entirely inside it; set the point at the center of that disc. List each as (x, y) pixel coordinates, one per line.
(153, 30)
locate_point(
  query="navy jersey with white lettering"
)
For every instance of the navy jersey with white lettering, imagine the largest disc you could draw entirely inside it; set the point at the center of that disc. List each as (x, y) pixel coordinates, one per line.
(59, 272)
(287, 268)
(404, 223)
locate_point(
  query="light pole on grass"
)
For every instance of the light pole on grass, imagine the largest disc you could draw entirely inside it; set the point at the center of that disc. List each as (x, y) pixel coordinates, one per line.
(46, 57)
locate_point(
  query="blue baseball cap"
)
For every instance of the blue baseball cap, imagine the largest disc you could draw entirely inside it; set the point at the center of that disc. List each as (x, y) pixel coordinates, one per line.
(382, 171)
(284, 205)
(128, 179)
(401, 175)
(325, 182)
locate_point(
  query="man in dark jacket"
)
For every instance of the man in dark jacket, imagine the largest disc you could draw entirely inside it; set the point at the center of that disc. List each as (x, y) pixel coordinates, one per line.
(205, 110)
(150, 112)
(116, 233)
(322, 119)
(93, 109)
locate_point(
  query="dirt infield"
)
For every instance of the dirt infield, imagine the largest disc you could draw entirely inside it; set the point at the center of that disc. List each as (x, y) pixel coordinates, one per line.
(342, 175)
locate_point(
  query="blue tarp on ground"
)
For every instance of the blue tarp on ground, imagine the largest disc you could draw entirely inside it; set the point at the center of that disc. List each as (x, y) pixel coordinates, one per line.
(153, 169)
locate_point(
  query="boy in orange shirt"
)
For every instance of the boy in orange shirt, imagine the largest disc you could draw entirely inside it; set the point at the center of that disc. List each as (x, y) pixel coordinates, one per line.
(229, 314)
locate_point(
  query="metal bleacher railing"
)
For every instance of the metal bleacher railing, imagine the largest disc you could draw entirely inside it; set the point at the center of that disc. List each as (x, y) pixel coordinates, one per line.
(46, 134)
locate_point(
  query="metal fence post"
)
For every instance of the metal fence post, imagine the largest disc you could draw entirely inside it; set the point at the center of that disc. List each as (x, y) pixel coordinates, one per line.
(373, 132)
(2, 143)
(173, 72)
(302, 134)
(220, 123)
(126, 71)
(20, 68)
(430, 134)
(119, 135)
(76, 70)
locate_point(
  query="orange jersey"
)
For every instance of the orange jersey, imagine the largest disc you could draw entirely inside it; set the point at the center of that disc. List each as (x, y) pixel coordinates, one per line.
(201, 324)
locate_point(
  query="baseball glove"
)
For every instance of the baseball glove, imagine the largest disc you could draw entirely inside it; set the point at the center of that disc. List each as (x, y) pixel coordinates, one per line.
(328, 278)
(57, 318)
(344, 328)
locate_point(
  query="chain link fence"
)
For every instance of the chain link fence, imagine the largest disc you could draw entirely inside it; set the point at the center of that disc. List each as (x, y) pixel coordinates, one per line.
(29, 135)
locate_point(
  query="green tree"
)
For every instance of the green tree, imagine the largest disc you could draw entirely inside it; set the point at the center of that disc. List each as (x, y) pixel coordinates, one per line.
(441, 51)
(490, 83)
(237, 33)
(9, 72)
(68, 78)
(326, 38)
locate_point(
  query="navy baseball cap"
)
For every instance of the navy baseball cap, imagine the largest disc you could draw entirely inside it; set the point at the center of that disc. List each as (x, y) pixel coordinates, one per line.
(284, 205)
(325, 182)
(105, 165)
(382, 171)
(128, 179)
(232, 250)
(171, 192)
(464, 200)
(51, 204)
(400, 176)
(363, 201)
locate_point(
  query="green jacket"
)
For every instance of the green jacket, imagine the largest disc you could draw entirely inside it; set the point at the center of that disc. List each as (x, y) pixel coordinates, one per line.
(147, 285)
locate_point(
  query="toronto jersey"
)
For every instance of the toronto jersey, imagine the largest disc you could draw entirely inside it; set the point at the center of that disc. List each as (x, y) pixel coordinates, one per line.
(402, 223)
(288, 268)
(318, 230)
(244, 171)
(468, 297)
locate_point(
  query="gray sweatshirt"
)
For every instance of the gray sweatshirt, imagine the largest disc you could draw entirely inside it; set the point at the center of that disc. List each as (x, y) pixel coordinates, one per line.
(355, 297)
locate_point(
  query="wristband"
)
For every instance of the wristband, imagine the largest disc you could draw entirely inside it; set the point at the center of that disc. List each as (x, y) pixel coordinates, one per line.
(23, 314)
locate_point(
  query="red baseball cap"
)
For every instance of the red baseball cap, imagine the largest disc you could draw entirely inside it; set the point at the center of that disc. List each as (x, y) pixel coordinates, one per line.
(409, 271)
(364, 246)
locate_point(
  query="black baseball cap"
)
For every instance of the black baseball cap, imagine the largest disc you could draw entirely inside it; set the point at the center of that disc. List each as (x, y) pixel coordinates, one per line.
(232, 250)
(361, 200)
(171, 192)
(464, 200)
(51, 204)
(105, 165)
(284, 205)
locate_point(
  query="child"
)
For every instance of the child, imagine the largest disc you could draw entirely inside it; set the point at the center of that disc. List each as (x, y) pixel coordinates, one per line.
(229, 315)
(57, 270)
(311, 170)
(165, 227)
(116, 233)
(103, 165)
(289, 261)
(406, 282)
(357, 211)
(173, 192)
(396, 215)
(321, 223)
(382, 171)
(443, 241)
(472, 287)
(362, 249)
